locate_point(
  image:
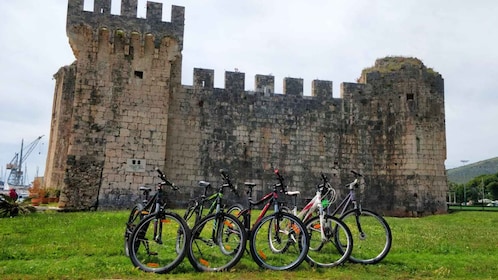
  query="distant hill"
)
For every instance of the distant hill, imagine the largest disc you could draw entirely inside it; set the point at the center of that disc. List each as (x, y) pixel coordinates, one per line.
(465, 173)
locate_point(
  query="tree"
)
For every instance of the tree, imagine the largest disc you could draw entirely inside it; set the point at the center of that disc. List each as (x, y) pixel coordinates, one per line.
(492, 188)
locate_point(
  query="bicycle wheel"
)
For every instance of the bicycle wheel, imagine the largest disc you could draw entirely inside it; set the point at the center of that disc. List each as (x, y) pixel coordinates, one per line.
(332, 249)
(153, 244)
(371, 234)
(235, 209)
(133, 220)
(279, 242)
(217, 243)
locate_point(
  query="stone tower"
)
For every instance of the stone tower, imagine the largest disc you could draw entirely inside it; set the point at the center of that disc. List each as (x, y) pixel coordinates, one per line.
(120, 110)
(118, 92)
(395, 127)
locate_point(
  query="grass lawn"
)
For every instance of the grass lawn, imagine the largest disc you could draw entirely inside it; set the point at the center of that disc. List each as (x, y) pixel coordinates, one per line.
(89, 245)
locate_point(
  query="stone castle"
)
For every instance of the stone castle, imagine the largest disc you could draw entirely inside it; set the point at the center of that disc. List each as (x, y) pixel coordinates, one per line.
(120, 110)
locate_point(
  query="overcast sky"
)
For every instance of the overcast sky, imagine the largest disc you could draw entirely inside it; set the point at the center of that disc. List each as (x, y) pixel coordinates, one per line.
(321, 39)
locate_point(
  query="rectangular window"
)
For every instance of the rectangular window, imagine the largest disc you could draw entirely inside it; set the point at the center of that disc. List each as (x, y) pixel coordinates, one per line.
(139, 74)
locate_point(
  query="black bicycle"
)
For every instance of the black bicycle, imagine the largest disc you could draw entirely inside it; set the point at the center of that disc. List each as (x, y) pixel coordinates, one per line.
(218, 240)
(158, 242)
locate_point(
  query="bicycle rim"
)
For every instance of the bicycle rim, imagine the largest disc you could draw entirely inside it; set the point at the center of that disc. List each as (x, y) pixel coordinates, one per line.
(217, 243)
(373, 243)
(154, 244)
(336, 245)
(279, 242)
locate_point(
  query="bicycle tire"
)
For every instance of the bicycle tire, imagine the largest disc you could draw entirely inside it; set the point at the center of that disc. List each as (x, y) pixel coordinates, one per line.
(216, 243)
(235, 210)
(291, 237)
(374, 242)
(133, 220)
(153, 244)
(337, 246)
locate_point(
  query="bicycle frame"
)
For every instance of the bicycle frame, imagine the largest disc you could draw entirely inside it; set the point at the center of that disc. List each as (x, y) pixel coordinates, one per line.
(312, 206)
(350, 199)
(270, 198)
(199, 205)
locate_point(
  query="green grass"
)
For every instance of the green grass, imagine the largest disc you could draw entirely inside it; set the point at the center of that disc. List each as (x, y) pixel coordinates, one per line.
(461, 245)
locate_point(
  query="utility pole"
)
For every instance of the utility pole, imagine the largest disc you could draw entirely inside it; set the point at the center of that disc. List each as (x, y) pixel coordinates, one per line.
(464, 161)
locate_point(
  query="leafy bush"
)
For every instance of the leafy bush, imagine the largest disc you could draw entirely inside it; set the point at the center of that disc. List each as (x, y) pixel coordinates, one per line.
(11, 208)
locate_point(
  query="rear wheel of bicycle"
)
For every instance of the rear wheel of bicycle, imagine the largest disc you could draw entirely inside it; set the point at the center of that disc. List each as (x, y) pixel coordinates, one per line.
(133, 220)
(236, 210)
(217, 243)
(154, 245)
(371, 234)
(325, 251)
(279, 242)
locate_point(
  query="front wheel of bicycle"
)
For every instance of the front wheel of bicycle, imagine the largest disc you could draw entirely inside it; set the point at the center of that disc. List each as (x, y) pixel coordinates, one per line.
(333, 247)
(154, 245)
(217, 243)
(371, 234)
(279, 242)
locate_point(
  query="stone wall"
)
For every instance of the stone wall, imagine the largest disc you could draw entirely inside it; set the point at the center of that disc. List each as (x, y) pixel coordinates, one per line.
(120, 110)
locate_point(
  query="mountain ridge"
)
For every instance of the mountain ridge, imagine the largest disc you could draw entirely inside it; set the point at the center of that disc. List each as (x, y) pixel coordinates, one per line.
(465, 173)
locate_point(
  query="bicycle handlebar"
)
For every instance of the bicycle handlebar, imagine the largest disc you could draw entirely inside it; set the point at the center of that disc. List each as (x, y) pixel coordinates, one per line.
(355, 182)
(228, 182)
(280, 180)
(165, 180)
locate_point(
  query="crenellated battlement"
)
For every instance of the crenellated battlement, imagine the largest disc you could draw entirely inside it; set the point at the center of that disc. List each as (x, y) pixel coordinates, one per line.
(127, 24)
(265, 84)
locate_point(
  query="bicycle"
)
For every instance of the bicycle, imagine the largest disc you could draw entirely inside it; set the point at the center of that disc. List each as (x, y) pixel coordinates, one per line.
(371, 233)
(323, 229)
(277, 241)
(194, 212)
(217, 241)
(154, 244)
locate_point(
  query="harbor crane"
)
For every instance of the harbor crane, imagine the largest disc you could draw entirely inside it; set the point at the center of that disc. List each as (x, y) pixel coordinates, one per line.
(16, 177)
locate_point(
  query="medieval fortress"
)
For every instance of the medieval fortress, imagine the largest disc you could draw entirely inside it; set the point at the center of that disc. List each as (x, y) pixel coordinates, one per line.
(120, 110)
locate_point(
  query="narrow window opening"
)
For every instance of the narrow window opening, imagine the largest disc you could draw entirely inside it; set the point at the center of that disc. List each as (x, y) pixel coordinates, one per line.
(203, 84)
(409, 96)
(102, 10)
(139, 74)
